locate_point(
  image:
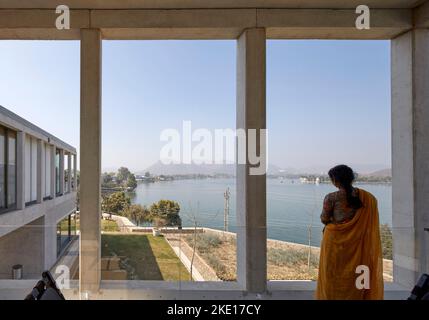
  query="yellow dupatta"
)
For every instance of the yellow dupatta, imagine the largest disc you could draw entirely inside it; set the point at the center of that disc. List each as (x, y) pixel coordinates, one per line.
(347, 246)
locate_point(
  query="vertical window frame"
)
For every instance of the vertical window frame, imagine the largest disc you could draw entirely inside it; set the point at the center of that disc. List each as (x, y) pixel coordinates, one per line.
(13, 206)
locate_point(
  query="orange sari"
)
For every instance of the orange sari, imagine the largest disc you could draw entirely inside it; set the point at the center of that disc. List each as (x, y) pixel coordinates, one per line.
(347, 246)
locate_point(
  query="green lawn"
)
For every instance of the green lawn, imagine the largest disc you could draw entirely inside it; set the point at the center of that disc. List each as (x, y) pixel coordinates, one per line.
(146, 257)
(106, 225)
(109, 226)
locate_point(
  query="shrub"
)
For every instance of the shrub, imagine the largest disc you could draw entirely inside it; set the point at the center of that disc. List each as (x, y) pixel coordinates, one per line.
(207, 241)
(292, 257)
(386, 241)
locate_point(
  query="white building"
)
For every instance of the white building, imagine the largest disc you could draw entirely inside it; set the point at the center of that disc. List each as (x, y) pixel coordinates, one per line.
(37, 196)
(405, 23)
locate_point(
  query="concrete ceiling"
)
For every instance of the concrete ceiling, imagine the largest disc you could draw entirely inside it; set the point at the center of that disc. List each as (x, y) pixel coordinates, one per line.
(190, 4)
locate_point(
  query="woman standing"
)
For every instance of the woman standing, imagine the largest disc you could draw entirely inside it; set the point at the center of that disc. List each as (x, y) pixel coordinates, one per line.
(351, 263)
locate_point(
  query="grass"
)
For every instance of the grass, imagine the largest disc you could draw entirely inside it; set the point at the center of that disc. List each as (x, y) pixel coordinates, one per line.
(109, 226)
(106, 225)
(282, 257)
(145, 257)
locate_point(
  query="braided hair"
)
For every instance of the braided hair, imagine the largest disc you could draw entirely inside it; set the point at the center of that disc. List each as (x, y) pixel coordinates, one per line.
(344, 176)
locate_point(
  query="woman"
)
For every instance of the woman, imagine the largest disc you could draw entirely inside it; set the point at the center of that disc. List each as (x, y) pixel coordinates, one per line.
(351, 246)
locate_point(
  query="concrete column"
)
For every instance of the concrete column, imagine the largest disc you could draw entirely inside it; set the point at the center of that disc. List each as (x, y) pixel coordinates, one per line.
(251, 189)
(40, 171)
(69, 173)
(53, 178)
(75, 172)
(90, 161)
(61, 171)
(20, 172)
(410, 155)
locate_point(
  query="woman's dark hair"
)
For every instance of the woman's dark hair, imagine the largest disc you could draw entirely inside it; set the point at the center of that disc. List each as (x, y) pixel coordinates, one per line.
(344, 176)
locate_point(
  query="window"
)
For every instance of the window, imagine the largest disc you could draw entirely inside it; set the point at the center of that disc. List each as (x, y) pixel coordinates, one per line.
(30, 170)
(57, 173)
(47, 157)
(66, 173)
(311, 133)
(11, 169)
(66, 230)
(7, 169)
(73, 173)
(184, 211)
(2, 168)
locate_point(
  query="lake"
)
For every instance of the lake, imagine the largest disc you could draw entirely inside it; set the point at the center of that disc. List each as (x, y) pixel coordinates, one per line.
(293, 208)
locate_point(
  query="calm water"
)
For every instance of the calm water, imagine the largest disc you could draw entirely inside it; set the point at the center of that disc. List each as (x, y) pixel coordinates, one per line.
(292, 207)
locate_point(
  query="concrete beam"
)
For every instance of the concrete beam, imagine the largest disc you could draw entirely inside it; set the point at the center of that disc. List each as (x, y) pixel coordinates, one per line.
(209, 4)
(206, 23)
(192, 24)
(251, 189)
(40, 24)
(90, 162)
(332, 24)
(421, 16)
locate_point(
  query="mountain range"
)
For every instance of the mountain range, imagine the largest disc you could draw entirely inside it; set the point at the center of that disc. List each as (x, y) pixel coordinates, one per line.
(210, 169)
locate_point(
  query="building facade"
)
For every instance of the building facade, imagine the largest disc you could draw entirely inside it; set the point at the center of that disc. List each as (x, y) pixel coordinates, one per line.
(405, 23)
(38, 183)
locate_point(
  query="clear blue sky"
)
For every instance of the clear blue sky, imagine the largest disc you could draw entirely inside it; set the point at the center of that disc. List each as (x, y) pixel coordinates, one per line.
(327, 101)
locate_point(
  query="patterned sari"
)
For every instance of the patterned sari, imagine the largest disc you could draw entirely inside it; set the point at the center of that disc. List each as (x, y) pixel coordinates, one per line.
(345, 248)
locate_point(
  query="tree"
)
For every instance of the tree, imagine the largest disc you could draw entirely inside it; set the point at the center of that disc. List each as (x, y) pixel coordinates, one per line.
(122, 175)
(115, 203)
(131, 182)
(166, 213)
(106, 178)
(137, 213)
(147, 174)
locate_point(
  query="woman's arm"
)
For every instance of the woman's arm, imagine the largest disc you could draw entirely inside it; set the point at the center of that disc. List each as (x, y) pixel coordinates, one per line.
(327, 211)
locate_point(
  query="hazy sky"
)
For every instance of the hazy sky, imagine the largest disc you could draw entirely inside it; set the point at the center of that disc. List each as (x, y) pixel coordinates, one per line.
(327, 101)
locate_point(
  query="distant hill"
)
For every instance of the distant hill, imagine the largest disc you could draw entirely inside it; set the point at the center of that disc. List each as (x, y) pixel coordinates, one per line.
(182, 169)
(381, 173)
(208, 169)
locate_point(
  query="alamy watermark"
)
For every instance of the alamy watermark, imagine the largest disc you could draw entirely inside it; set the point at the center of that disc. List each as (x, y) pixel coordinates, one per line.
(63, 20)
(63, 276)
(363, 280)
(363, 20)
(219, 146)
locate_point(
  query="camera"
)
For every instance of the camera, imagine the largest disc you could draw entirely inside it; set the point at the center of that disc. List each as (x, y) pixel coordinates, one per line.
(45, 289)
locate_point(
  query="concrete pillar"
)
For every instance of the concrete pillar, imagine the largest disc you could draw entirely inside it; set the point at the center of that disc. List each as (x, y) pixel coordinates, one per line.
(61, 171)
(40, 171)
(75, 172)
(90, 161)
(20, 172)
(410, 155)
(69, 173)
(53, 178)
(251, 189)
